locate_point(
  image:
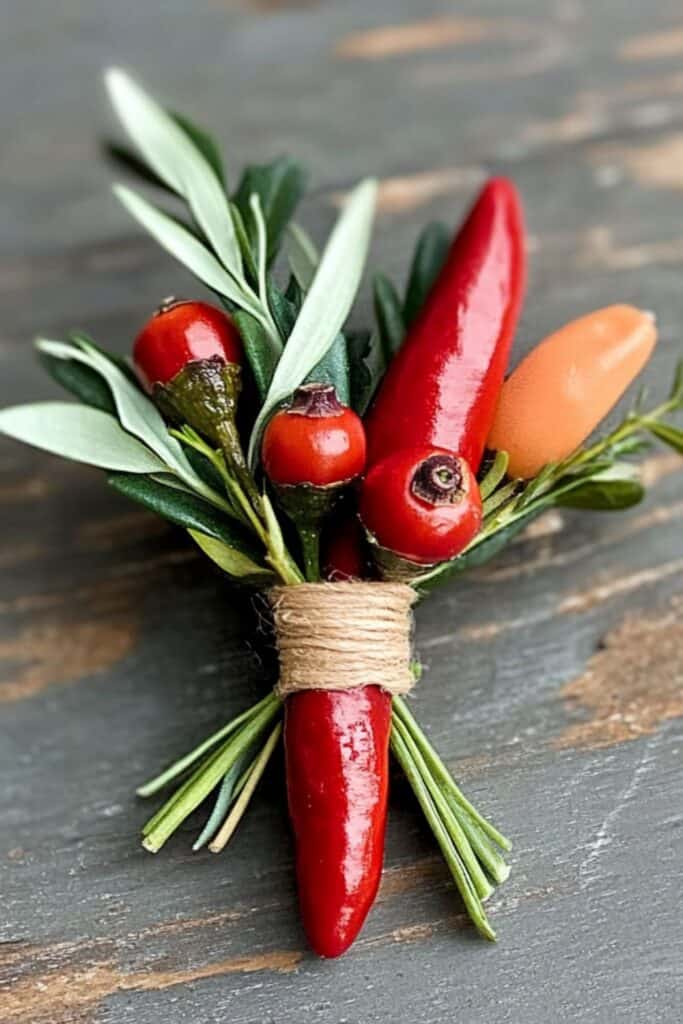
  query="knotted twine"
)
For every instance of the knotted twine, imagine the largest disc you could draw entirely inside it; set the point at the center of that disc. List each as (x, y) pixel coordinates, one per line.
(338, 636)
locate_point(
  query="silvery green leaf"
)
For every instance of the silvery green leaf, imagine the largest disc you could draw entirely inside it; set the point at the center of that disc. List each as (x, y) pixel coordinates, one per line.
(184, 246)
(226, 558)
(175, 157)
(614, 488)
(81, 433)
(261, 247)
(302, 255)
(326, 305)
(138, 415)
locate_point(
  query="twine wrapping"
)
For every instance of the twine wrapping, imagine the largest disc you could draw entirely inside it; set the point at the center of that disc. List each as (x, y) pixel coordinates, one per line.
(338, 636)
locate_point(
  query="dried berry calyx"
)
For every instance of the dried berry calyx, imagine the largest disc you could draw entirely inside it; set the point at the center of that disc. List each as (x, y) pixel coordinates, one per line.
(439, 480)
(316, 400)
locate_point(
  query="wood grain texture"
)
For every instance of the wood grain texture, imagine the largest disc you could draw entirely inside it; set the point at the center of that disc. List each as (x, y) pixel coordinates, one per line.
(553, 673)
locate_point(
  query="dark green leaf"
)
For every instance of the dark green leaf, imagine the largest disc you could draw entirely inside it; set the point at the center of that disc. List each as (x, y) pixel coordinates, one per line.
(279, 185)
(258, 349)
(79, 380)
(430, 254)
(82, 339)
(244, 243)
(204, 142)
(294, 293)
(479, 554)
(668, 434)
(130, 162)
(284, 312)
(183, 509)
(204, 468)
(602, 495)
(389, 316)
(676, 392)
(334, 369)
(366, 366)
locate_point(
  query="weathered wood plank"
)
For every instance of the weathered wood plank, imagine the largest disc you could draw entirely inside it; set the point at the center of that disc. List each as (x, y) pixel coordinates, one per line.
(119, 646)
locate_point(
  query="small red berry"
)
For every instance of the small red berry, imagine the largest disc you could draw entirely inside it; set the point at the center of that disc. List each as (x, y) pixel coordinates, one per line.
(317, 440)
(421, 503)
(182, 332)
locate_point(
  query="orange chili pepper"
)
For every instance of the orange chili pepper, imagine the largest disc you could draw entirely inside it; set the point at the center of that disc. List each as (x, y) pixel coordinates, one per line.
(560, 392)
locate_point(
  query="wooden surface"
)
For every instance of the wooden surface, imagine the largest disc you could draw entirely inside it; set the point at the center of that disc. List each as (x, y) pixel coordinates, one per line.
(554, 674)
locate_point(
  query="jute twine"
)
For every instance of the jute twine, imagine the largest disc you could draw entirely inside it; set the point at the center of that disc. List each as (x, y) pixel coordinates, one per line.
(338, 636)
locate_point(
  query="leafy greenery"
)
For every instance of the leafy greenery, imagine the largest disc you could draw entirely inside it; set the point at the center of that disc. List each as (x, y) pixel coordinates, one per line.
(185, 509)
(429, 257)
(326, 306)
(279, 186)
(81, 433)
(389, 316)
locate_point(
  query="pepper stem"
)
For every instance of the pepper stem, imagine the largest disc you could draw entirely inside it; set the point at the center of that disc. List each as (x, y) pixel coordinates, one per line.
(310, 549)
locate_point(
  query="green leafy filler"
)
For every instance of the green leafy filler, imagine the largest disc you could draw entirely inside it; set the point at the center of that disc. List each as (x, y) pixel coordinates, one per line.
(231, 242)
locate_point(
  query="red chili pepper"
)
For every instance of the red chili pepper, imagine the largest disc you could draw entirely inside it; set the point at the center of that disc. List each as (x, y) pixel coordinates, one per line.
(337, 759)
(182, 332)
(442, 386)
(421, 503)
(316, 440)
(344, 555)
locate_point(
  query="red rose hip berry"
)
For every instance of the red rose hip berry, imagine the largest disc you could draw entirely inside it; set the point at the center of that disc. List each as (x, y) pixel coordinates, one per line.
(422, 504)
(182, 332)
(316, 440)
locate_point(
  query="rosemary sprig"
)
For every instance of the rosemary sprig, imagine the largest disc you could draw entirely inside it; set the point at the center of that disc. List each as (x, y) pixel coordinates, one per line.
(233, 760)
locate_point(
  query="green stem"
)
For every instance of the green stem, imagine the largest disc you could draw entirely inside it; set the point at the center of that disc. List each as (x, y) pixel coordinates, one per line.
(207, 776)
(451, 856)
(450, 822)
(244, 791)
(441, 773)
(181, 765)
(310, 549)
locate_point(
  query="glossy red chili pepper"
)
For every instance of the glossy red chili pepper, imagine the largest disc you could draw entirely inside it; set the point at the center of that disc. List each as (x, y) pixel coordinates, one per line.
(344, 556)
(421, 503)
(442, 386)
(316, 440)
(337, 758)
(182, 332)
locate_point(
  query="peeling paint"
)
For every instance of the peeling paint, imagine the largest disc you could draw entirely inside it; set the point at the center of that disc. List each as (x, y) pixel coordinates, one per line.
(632, 685)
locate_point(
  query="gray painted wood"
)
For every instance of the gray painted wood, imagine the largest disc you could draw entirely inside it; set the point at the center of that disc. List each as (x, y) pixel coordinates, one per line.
(119, 647)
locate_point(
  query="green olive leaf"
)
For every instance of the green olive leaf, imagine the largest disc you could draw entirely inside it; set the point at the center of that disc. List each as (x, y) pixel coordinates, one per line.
(602, 494)
(279, 186)
(389, 316)
(302, 255)
(326, 305)
(174, 155)
(366, 367)
(668, 434)
(258, 348)
(81, 433)
(80, 381)
(183, 509)
(183, 245)
(430, 255)
(478, 554)
(205, 143)
(229, 559)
